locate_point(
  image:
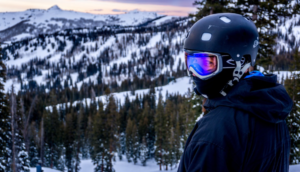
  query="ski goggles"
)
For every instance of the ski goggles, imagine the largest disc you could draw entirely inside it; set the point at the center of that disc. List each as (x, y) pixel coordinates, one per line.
(205, 64)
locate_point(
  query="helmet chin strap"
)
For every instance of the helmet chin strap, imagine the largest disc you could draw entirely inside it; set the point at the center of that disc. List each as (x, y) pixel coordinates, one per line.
(237, 75)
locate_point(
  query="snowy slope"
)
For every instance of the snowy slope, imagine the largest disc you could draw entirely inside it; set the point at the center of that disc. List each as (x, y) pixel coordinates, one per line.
(163, 20)
(182, 86)
(124, 166)
(51, 55)
(119, 166)
(295, 168)
(44, 169)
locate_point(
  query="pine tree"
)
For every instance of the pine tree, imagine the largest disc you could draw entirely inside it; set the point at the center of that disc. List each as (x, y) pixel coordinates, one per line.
(175, 138)
(129, 140)
(190, 109)
(168, 131)
(100, 141)
(145, 126)
(160, 134)
(23, 159)
(113, 128)
(122, 146)
(292, 86)
(143, 121)
(71, 143)
(19, 158)
(5, 135)
(132, 142)
(13, 113)
(136, 144)
(33, 154)
(143, 152)
(83, 125)
(53, 142)
(26, 115)
(124, 115)
(177, 148)
(150, 139)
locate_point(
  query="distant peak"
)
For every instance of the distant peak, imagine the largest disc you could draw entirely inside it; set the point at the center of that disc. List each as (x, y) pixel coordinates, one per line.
(133, 11)
(55, 7)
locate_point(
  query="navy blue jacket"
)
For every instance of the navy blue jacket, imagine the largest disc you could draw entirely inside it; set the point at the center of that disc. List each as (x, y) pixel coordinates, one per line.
(243, 132)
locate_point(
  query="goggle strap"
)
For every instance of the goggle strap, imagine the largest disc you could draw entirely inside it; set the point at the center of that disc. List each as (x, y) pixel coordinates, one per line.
(237, 75)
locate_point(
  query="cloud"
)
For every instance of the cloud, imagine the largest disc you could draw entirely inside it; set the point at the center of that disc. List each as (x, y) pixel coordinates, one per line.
(157, 11)
(97, 10)
(171, 11)
(180, 3)
(161, 12)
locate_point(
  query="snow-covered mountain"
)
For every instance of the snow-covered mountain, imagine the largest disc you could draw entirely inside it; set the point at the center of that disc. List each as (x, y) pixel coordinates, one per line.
(72, 58)
(114, 57)
(15, 26)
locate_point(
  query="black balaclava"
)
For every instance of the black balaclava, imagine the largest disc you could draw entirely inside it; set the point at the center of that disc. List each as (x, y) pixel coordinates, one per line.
(212, 86)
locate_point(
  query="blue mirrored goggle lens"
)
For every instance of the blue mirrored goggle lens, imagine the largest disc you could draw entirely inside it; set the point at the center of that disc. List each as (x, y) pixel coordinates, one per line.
(204, 64)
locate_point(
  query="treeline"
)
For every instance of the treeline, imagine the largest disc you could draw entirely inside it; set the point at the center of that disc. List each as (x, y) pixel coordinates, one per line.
(139, 130)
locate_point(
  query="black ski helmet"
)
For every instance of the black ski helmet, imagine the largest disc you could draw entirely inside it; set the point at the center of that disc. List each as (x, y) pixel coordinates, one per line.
(223, 33)
(228, 33)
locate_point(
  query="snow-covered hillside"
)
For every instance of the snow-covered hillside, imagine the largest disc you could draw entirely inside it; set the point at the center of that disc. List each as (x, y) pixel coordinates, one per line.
(111, 57)
(15, 26)
(181, 86)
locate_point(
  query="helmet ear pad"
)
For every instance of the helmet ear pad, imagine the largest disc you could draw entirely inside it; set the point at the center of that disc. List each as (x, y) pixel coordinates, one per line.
(213, 86)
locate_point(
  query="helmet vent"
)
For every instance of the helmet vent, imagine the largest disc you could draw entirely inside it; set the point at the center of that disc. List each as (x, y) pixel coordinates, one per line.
(206, 36)
(187, 34)
(225, 19)
(247, 18)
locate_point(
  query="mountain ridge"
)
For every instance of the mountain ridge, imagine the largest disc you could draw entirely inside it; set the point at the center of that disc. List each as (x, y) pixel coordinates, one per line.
(32, 22)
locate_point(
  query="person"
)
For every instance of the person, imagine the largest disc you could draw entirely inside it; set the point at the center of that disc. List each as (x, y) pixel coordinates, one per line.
(39, 166)
(244, 129)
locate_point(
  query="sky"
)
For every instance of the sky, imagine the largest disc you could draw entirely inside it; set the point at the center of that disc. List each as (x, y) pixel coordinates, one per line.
(165, 7)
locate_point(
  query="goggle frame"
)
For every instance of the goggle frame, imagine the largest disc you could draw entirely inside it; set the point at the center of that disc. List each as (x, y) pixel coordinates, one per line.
(204, 77)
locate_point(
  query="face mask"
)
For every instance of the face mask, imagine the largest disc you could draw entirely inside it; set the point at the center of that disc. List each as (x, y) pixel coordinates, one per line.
(211, 88)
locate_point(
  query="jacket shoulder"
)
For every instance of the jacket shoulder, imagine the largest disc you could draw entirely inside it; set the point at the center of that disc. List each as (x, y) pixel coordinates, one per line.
(224, 127)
